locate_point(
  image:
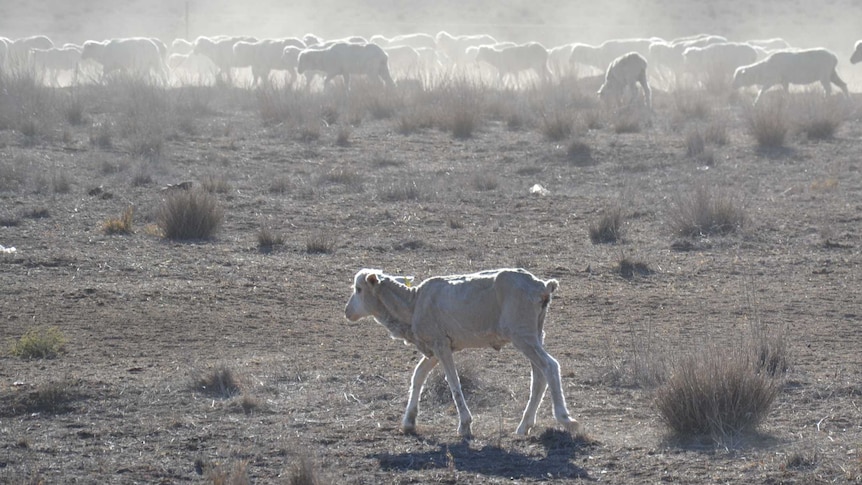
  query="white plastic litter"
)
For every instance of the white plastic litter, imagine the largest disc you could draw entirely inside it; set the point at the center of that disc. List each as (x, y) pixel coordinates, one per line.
(539, 190)
(5, 250)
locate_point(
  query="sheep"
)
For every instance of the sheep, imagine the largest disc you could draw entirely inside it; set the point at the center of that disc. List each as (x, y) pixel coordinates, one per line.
(18, 50)
(774, 44)
(289, 62)
(454, 48)
(181, 46)
(602, 55)
(51, 62)
(262, 56)
(558, 59)
(669, 55)
(192, 69)
(344, 59)
(791, 67)
(446, 314)
(511, 60)
(416, 41)
(717, 62)
(857, 53)
(622, 74)
(161, 46)
(403, 59)
(220, 51)
(135, 54)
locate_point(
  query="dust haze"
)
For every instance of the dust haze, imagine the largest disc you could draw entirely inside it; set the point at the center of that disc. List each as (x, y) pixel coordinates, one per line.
(831, 24)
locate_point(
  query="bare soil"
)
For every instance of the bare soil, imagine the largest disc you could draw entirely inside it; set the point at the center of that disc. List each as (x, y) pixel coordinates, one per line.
(147, 318)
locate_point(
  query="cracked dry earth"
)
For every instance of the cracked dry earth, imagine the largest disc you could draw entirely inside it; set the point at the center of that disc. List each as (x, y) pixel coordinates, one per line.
(145, 318)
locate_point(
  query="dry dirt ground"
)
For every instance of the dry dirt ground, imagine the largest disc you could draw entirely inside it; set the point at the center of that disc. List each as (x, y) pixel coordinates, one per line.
(146, 319)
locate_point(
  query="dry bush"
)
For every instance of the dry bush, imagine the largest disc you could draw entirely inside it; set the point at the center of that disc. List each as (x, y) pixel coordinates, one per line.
(557, 125)
(717, 392)
(120, 225)
(819, 116)
(101, 135)
(55, 396)
(629, 268)
(39, 343)
(485, 181)
(690, 104)
(216, 184)
(703, 213)
(189, 214)
(401, 192)
(235, 473)
(627, 121)
(305, 472)
(460, 104)
(639, 362)
(219, 382)
(267, 239)
(342, 137)
(608, 228)
(579, 154)
(767, 123)
(319, 243)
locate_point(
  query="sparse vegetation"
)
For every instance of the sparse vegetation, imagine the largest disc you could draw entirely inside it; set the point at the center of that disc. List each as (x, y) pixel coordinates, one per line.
(218, 382)
(216, 184)
(768, 123)
(268, 240)
(703, 212)
(608, 228)
(319, 243)
(119, 225)
(40, 343)
(189, 214)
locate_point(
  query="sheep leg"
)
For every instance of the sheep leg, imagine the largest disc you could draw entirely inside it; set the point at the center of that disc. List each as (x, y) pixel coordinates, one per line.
(466, 419)
(420, 374)
(538, 385)
(827, 86)
(838, 82)
(551, 370)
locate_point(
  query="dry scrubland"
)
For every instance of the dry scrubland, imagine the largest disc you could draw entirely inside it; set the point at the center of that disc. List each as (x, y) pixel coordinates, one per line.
(708, 253)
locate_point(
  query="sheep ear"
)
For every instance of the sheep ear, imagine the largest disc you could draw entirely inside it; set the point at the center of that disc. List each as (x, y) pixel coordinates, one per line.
(372, 279)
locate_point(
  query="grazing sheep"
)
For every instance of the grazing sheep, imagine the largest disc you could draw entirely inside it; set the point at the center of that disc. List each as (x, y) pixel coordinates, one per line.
(416, 41)
(289, 62)
(791, 67)
(669, 55)
(18, 51)
(161, 46)
(49, 63)
(138, 55)
(774, 44)
(192, 69)
(181, 46)
(857, 53)
(558, 59)
(403, 60)
(446, 314)
(262, 56)
(220, 51)
(623, 73)
(454, 48)
(602, 55)
(512, 60)
(718, 61)
(344, 59)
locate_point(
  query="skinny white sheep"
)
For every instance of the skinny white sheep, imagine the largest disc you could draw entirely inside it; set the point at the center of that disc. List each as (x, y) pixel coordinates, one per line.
(403, 60)
(344, 59)
(18, 51)
(181, 46)
(416, 41)
(220, 51)
(445, 314)
(791, 67)
(774, 44)
(49, 63)
(510, 61)
(856, 58)
(262, 56)
(602, 55)
(624, 73)
(718, 61)
(454, 48)
(138, 55)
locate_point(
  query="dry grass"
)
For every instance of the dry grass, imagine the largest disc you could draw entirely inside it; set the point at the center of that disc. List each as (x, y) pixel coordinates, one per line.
(39, 343)
(703, 212)
(718, 392)
(319, 243)
(305, 472)
(401, 192)
(120, 225)
(219, 382)
(216, 184)
(557, 125)
(579, 154)
(189, 215)
(608, 228)
(768, 123)
(268, 240)
(817, 116)
(235, 473)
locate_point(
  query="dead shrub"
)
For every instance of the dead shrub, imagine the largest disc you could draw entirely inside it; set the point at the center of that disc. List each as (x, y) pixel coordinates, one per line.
(119, 225)
(216, 184)
(608, 228)
(818, 116)
(189, 215)
(767, 123)
(557, 125)
(268, 240)
(579, 154)
(342, 138)
(716, 392)
(691, 104)
(402, 192)
(485, 181)
(629, 268)
(703, 213)
(304, 472)
(219, 382)
(54, 396)
(235, 473)
(319, 243)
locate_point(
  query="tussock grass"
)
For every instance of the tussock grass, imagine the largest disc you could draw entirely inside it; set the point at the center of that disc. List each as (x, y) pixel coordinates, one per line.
(305, 472)
(629, 268)
(54, 397)
(579, 154)
(608, 228)
(268, 240)
(401, 192)
(817, 116)
(557, 125)
(717, 392)
(216, 184)
(39, 343)
(235, 473)
(319, 243)
(703, 212)
(768, 123)
(218, 382)
(189, 214)
(120, 225)
(484, 182)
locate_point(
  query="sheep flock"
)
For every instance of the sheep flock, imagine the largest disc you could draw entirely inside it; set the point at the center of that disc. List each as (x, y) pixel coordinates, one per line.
(703, 60)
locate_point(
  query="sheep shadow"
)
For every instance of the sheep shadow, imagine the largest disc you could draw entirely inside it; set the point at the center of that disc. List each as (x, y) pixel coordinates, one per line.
(560, 449)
